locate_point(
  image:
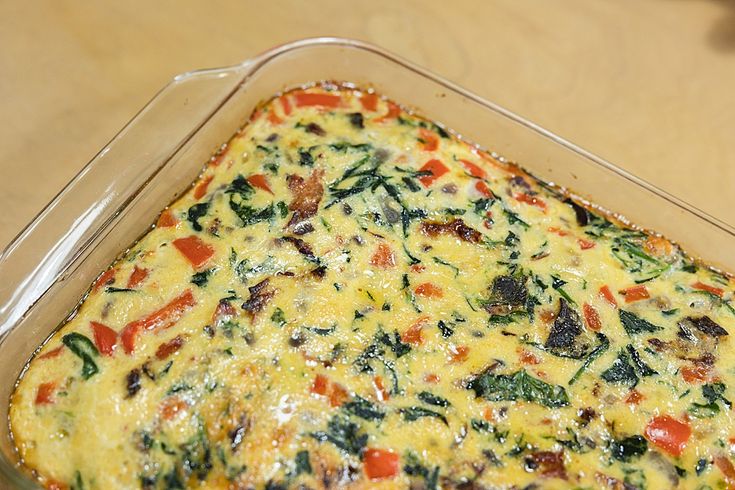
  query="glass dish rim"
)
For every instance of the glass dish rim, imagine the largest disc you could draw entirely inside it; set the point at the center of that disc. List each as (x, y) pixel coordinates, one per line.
(251, 65)
(246, 69)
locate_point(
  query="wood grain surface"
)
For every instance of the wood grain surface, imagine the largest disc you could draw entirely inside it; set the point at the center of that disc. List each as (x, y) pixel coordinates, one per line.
(647, 84)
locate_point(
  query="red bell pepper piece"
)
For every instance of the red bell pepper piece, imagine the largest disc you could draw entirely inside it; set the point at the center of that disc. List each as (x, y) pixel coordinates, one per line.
(201, 189)
(585, 244)
(194, 249)
(413, 334)
(710, 289)
(136, 277)
(532, 200)
(52, 353)
(160, 319)
(383, 257)
(369, 102)
(437, 169)
(45, 394)
(380, 463)
(695, 374)
(608, 296)
(260, 181)
(167, 348)
(337, 395)
(429, 140)
(635, 293)
(473, 169)
(668, 433)
(591, 317)
(105, 338)
(429, 290)
(393, 112)
(483, 189)
(107, 278)
(311, 99)
(728, 470)
(166, 220)
(458, 354)
(380, 391)
(286, 104)
(320, 385)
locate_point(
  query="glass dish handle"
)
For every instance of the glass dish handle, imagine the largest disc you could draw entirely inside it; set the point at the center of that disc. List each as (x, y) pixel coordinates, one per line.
(69, 224)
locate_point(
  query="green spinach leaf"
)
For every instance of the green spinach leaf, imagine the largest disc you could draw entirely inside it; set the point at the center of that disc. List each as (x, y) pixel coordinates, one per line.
(344, 434)
(633, 324)
(84, 349)
(518, 386)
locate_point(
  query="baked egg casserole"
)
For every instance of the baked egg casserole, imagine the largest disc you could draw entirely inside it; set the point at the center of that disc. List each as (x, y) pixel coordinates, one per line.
(350, 296)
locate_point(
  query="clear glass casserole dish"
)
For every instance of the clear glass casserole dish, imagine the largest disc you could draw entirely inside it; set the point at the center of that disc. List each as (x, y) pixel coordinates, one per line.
(47, 269)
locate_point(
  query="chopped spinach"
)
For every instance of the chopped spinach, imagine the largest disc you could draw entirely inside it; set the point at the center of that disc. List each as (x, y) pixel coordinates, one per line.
(641, 367)
(344, 434)
(481, 425)
(604, 344)
(621, 371)
(513, 218)
(557, 284)
(394, 343)
(195, 213)
(633, 324)
(322, 331)
(196, 457)
(432, 399)
(376, 351)
(305, 158)
(482, 206)
(575, 444)
(444, 262)
(240, 192)
(628, 448)
(518, 386)
(712, 393)
(241, 187)
(414, 412)
(511, 240)
(278, 317)
(414, 467)
(78, 482)
(704, 410)
(250, 215)
(302, 463)
(343, 146)
(445, 329)
(201, 278)
(365, 409)
(642, 266)
(85, 350)
(410, 184)
(715, 392)
(370, 178)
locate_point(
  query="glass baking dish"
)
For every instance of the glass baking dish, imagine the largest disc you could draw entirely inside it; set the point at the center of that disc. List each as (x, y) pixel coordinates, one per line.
(47, 269)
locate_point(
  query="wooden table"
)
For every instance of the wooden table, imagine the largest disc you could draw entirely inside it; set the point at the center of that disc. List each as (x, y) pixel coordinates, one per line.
(647, 84)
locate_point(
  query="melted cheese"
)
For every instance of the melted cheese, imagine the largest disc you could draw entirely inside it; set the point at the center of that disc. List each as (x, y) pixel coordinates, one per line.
(350, 297)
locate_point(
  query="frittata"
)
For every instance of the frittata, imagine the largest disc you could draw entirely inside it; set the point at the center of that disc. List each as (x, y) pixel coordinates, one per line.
(350, 296)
